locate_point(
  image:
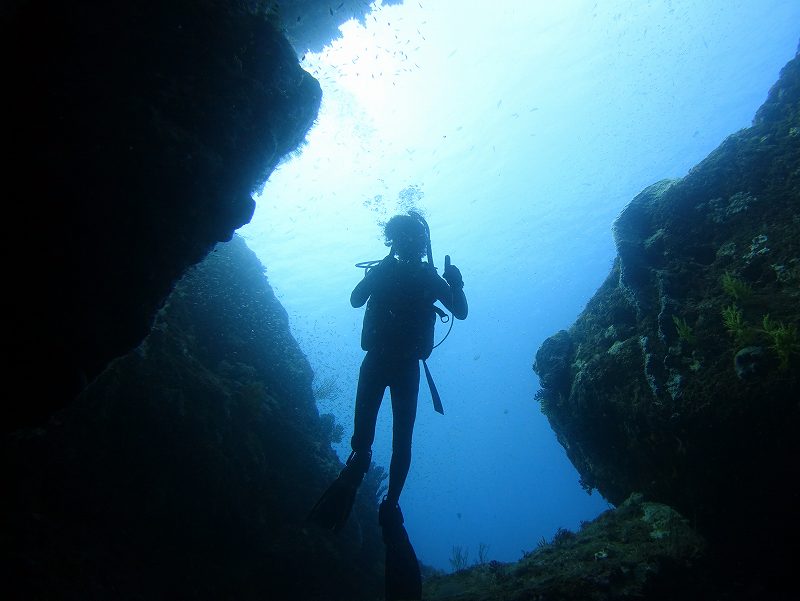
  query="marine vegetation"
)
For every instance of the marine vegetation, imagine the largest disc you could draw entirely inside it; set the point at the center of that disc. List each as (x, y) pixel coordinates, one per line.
(736, 326)
(562, 535)
(685, 332)
(327, 389)
(483, 553)
(459, 559)
(736, 288)
(784, 340)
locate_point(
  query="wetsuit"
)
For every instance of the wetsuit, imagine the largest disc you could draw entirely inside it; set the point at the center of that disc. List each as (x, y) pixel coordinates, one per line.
(397, 333)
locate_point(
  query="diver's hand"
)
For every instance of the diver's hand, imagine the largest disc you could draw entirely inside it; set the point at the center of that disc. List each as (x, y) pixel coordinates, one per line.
(452, 274)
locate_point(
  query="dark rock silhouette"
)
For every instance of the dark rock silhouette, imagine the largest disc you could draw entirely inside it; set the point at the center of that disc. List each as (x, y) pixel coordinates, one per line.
(187, 468)
(137, 133)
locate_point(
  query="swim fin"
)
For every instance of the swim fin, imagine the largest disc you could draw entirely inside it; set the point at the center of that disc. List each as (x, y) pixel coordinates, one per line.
(334, 506)
(403, 577)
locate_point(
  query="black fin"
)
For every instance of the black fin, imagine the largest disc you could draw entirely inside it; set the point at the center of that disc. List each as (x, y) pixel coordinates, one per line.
(403, 576)
(336, 503)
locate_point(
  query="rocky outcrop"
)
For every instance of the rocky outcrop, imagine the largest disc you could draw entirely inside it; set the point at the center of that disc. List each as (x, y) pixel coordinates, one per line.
(137, 132)
(640, 550)
(310, 24)
(680, 378)
(186, 470)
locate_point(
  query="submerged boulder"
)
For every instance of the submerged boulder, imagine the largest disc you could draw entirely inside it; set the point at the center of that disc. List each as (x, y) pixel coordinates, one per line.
(682, 379)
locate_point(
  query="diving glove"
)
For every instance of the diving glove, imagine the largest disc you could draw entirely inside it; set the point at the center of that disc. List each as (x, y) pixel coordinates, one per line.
(451, 274)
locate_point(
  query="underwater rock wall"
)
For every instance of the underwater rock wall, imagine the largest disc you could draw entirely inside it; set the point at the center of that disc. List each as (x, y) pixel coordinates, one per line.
(186, 470)
(137, 132)
(311, 24)
(680, 378)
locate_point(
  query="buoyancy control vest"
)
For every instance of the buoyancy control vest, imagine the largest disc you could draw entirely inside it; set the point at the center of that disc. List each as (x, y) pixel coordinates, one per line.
(400, 314)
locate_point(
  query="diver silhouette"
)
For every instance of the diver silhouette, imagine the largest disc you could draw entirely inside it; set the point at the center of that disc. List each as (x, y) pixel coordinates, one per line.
(400, 292)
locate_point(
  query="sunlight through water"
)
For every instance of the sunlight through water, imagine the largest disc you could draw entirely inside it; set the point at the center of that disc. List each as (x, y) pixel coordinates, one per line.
(520, 130)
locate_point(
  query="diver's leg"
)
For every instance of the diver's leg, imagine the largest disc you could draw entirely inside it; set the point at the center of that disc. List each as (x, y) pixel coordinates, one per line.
(369, 394)
(403, 578)
(404, 390)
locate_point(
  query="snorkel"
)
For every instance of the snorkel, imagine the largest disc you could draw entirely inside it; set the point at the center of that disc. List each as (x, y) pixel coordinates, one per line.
(424, 223)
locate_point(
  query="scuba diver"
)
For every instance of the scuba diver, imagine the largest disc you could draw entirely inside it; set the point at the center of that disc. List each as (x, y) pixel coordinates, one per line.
(397, 334)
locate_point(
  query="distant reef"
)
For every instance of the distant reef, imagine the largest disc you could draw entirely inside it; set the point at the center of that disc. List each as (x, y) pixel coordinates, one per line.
(679, 380)
(187, 468)
(641, 550)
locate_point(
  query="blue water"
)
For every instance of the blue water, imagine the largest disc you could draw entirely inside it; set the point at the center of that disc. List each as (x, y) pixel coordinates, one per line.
(520, 134)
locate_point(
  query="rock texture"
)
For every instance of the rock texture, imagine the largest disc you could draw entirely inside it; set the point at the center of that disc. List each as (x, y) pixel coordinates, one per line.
(186, 470)
(640, 550)
(680, 378)
(137, 132)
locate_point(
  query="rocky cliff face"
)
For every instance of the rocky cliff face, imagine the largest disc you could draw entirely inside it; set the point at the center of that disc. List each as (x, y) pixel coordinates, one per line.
(680, 378)
(187, 468)
(181, 465)
(137, 133)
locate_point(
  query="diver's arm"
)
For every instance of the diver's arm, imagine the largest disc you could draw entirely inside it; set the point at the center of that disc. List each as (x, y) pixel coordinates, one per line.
(452, 294)
(459, 307)
(369, 282)
(362, 291)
